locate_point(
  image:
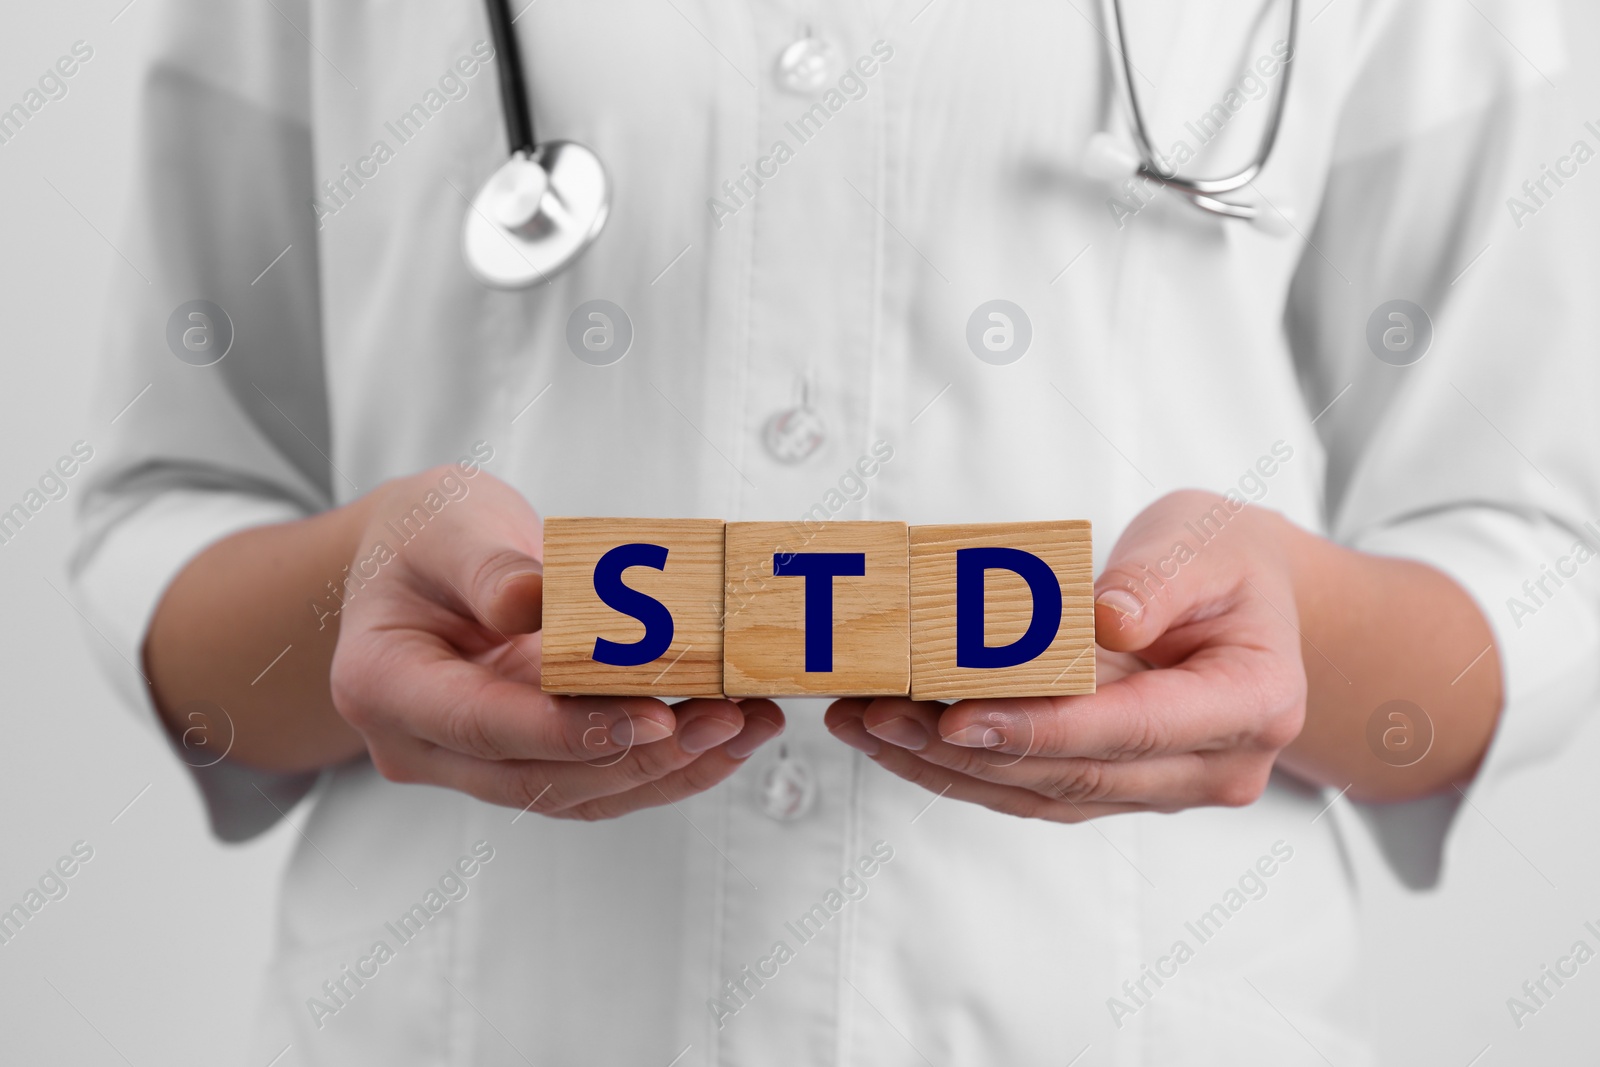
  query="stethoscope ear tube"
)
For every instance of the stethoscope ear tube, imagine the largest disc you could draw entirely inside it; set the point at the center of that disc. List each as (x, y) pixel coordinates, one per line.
(513, 86)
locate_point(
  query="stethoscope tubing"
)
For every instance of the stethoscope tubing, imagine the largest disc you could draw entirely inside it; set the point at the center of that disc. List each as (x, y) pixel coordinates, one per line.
(514, 99)
(572, 178)
(1202, 191)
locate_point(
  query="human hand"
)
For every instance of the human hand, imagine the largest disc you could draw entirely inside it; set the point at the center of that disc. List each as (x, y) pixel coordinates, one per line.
(1201, 686)
(437, 667)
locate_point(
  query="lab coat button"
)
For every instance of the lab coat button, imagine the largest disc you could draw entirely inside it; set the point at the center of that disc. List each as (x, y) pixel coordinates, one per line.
(794, 434)
(786, 788)
(808, 65)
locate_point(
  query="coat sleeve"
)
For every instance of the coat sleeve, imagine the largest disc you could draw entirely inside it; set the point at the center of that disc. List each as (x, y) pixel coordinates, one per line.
(1480, 457)
(220, 189)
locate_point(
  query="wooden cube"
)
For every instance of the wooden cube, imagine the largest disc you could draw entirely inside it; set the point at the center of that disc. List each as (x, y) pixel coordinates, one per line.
(817, 609)
(633, 607)
(1001, 609)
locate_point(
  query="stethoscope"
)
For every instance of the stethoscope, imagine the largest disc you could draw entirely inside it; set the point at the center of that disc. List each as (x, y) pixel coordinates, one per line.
(548, 202)
(1109, 159)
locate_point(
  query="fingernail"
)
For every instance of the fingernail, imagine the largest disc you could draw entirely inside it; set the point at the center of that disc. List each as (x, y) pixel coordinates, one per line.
(903, 732)
(630, 731)
(1127, 606)
(981, 735)
(516, 576)
(852, 733)
(756, 733)
(705, 733)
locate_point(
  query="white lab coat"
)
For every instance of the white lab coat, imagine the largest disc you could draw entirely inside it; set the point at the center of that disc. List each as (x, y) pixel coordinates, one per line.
(1172, 350)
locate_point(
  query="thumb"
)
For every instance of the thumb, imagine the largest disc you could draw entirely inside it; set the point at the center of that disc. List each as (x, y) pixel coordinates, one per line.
(508, 592)
(1156, 576)
(477, 552)
(1123, 617)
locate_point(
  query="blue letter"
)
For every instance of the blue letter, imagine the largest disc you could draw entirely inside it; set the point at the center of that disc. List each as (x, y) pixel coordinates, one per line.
(819, 570)
(971, 563)
(647, 609)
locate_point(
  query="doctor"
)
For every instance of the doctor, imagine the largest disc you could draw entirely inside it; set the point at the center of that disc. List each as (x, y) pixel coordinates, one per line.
(860, 262)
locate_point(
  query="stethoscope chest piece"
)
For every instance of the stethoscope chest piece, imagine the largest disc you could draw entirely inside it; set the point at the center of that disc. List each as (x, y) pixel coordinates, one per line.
(536, 214)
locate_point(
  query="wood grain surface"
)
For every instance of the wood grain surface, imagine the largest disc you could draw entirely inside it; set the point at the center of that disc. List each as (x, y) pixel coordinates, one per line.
(765, 635)
(1067, 666)
(690, 587)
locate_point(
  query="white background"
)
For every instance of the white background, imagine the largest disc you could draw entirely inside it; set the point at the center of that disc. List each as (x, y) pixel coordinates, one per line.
(154, 956)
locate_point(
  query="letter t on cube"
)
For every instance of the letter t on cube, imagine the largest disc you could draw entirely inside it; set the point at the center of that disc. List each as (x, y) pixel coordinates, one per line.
(633, 607)
(1001, 609)
(821, 609)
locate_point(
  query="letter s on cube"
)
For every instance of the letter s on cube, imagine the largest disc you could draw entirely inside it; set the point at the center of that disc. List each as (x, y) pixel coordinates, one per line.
(633, 607)
(1001, 609)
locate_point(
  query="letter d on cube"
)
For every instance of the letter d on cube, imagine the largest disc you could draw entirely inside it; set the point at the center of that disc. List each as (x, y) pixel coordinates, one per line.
(1001, 609)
